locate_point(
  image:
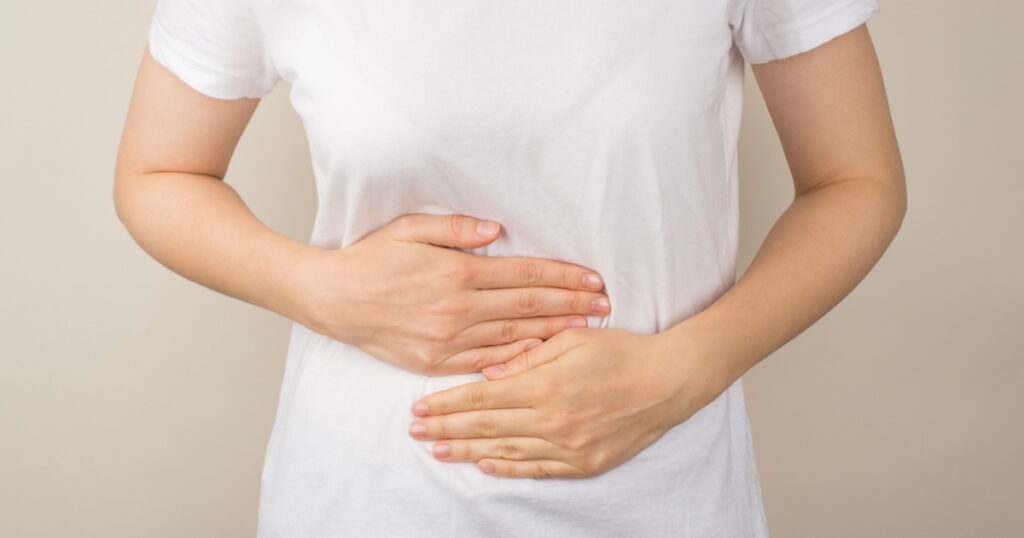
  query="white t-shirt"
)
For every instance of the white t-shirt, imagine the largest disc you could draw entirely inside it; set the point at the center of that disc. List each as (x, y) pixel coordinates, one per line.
(599, 132)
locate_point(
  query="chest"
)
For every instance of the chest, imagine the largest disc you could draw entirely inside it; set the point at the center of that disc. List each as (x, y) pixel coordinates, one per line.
(387, 83)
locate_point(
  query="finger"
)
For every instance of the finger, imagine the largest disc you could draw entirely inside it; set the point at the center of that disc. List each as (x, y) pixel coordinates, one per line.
(509, 303)
(517, 272)
(509, 448)
(474, 424)
(494, 332)
(452, 230)
(481, 357)
(535, 356)
(536, 469)
(479, 395)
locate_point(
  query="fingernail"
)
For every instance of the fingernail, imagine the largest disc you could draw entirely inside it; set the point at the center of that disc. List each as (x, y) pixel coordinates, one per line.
(486, 228)
(577, 322)
(591, 280)
(494, 370)
(601, 305)
(418, 431)
(442, 450)
(421, 409)
(486, 466)
(532, 345)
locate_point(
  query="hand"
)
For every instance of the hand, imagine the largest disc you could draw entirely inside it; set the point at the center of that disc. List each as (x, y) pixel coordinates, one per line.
(576, 406)
(401, 297)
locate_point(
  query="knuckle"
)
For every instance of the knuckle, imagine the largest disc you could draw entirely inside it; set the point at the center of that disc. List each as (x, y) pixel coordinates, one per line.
(458, 271)
(575, 442)
(402, 223)
(510, 450)
(509, 331)
(528, 303)
(461, 307)
(437, 334)
(552, 326)
(596, 463)
(477, 399)
(481, 361)
(557, 425)
(567, 278)
(453, 306)
(424, 354)
(540, 472)
(528, 272)
(455, 223)
(576, 303)
(485, 424)
(430, 356)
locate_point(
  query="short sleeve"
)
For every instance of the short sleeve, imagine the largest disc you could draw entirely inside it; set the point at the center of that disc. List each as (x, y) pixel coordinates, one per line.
(217, 47)
(766, 30)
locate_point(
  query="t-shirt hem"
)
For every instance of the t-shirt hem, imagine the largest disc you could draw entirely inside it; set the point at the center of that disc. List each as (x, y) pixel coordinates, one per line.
(202, 78)
(810, 34)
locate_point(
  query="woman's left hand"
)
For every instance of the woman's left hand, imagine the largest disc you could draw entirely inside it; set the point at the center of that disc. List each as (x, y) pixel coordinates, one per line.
(577, 405)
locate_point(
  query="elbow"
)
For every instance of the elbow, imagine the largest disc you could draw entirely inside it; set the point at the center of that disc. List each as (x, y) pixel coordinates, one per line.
(890, 193)
(899, 198)
(890, 199)
(129, 170)
(891, 203)
(124, 193)
(121, 193)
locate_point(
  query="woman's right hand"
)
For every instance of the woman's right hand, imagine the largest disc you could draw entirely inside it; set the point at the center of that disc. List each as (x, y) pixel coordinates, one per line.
(397, 294)
(401, 296)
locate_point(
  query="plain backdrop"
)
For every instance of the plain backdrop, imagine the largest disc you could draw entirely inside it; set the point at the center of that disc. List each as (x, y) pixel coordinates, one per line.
(136, 403)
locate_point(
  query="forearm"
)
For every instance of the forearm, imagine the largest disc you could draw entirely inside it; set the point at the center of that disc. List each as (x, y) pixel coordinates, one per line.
(200, 228)
(816, 253)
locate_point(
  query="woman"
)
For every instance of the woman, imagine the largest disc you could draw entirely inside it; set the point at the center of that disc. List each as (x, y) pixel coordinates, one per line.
(600, 137)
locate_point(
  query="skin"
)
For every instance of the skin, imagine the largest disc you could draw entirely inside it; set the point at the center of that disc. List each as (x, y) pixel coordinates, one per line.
(589, 399)
(399, 293)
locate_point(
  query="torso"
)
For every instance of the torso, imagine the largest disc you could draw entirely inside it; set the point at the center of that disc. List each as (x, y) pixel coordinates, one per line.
(599, 133)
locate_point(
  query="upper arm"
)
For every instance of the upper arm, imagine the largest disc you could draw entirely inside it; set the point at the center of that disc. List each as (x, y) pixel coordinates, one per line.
(206, 65)
(172, 127)
(830, 110)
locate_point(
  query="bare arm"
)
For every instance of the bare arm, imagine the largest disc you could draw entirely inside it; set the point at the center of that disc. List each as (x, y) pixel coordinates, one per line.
(830, 110)
(170, 194)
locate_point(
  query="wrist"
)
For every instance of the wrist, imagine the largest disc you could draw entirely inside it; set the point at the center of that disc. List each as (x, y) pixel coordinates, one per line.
(322, 299)
(703, 365)
(301, 286)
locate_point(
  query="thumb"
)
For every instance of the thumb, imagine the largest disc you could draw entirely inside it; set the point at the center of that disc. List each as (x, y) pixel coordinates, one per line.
(452, 230)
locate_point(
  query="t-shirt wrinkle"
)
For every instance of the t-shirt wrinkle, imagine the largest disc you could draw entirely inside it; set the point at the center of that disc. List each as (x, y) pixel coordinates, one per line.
(601, 133)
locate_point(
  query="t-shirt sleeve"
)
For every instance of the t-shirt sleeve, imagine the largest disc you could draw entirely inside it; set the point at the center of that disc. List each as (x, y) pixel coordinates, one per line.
(217, 47)
(766, 30)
